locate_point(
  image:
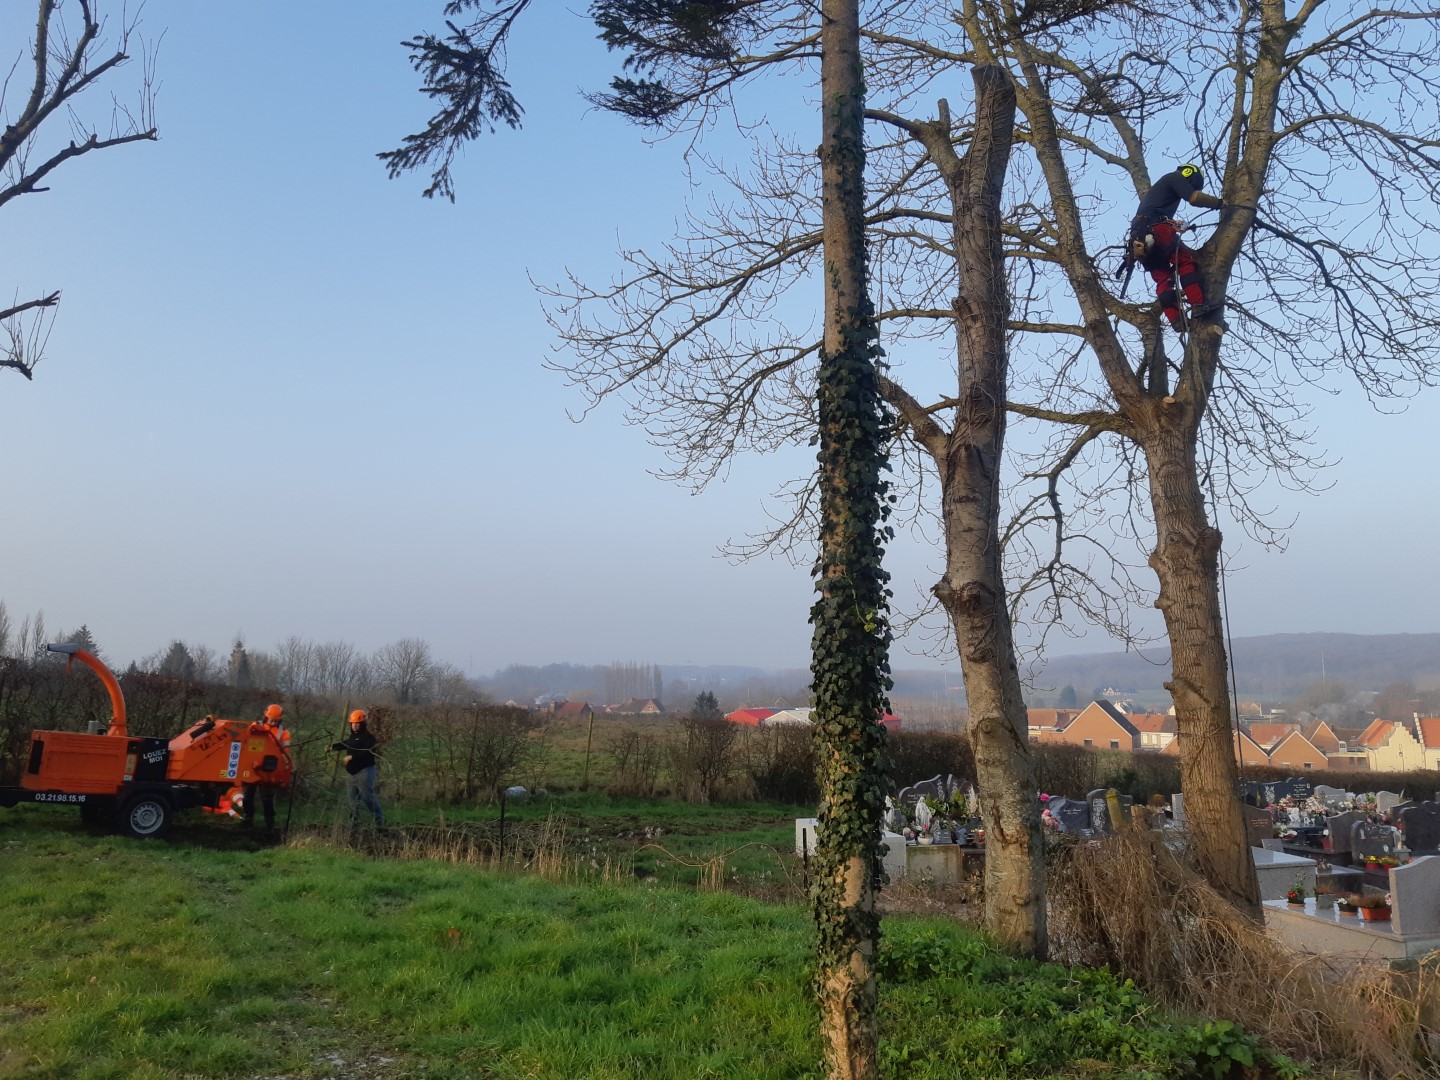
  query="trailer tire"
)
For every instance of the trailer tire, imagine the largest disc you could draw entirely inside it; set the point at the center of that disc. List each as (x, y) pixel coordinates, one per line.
(145, 817)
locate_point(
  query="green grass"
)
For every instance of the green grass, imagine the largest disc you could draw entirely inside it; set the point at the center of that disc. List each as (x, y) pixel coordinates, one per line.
(191, 959)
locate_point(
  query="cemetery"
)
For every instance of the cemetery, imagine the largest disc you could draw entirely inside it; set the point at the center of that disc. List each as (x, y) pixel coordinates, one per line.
(1343, 874)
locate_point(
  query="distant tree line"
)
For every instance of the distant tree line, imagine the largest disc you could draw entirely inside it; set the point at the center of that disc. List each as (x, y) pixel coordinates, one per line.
(404, 672)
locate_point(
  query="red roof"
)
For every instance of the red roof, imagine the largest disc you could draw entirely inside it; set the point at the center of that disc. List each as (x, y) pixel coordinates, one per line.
(750, 716)
(889, 721)
(1267, 736)
(1430, 732)
(1375, 735)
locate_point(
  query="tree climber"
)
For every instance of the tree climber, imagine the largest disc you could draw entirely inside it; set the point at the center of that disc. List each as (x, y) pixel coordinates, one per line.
(1155, 239)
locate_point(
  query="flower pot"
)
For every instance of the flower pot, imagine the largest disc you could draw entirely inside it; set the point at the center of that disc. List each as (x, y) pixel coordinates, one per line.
(926, 841)
(1345, 909)
(1375, 914)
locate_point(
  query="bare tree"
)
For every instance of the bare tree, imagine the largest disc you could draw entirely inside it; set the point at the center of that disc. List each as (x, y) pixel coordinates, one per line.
(402, 668)
(296, 658)
(339, 668)
(67, 61)
(474, 749)
(690, 336)
(702, 756)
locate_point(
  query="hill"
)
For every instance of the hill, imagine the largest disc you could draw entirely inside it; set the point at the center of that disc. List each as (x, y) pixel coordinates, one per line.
(1271, 667)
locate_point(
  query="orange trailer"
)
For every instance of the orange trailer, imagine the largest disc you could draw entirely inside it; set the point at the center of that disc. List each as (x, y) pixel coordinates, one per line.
(145, 780)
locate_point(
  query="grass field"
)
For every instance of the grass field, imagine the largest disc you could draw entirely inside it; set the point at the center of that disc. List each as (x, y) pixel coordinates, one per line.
(206, 956)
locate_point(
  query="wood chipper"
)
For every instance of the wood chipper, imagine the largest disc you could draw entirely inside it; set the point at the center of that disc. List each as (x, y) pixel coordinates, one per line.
(145, 780)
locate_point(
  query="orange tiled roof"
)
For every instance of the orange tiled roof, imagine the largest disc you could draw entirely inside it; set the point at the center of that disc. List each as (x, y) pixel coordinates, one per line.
(1430, 732)
(1152, 722)
(1268, 735)
(1376, 734)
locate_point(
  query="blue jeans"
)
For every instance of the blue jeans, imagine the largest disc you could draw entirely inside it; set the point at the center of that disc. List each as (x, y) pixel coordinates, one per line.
(362, 791)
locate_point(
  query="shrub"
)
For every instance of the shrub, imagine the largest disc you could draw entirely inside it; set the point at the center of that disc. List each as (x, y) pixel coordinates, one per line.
(781, 764)
(702, 757)
(919, 755)
(636, 759)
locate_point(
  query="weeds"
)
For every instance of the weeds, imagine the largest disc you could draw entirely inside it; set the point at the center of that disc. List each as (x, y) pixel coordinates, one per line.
(1160, 924)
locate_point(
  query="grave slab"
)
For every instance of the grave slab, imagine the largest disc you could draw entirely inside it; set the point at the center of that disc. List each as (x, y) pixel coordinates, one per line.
(1326, 931)
(1415, 896)
(1278, 873)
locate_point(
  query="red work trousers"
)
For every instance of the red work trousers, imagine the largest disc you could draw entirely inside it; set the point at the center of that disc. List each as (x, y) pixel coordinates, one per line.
(1167, 258)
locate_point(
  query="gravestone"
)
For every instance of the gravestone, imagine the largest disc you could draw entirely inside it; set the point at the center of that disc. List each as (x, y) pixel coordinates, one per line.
(1177, 808)
(1302, 787)
(1415, 897)
(1400, 808)
(1275, 790)
(1420, 826)
(1258, 825)
(1332, 796)
(1341, 842)
(1071, 815)
(934, 788)
(1372, 840)
(1385, 801)
(1252, 792)
(1099, 811)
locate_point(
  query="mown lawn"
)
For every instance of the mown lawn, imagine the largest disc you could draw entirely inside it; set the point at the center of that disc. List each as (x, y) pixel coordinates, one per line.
(196, 958)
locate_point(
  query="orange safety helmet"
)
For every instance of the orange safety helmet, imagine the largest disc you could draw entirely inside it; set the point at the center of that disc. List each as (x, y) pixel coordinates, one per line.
(358, 716)
(273, 712)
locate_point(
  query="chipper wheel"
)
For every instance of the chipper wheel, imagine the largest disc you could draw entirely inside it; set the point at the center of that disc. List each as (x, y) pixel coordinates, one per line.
(145, 816)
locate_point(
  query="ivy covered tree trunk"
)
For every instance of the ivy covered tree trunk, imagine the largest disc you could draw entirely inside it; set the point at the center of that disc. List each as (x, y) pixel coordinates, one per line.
(849, 665)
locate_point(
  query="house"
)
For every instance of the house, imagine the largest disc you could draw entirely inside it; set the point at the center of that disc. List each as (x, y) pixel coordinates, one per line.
(1297, 752)
(1157, 730)
(1337, 746)
(572, 710)
(1391, 747)
(1049, 719)
(1101, 726)
(1246, 751)
(1322, 736)
(750, 717)
(1267, 736)
(637, 707)
(1428, 728)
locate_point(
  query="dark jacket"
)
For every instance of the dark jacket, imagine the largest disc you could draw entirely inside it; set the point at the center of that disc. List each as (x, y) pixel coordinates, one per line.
(1164, 198)
(360, 745)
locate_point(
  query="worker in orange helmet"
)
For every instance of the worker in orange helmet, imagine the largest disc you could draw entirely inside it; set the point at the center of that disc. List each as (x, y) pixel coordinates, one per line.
(278, 730)
(359, 750)
(265, 793)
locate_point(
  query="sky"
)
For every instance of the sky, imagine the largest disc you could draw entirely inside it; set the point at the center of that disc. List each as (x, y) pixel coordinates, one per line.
(285, 395)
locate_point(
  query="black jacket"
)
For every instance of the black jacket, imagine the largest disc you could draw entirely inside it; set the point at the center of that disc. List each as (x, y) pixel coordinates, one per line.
(360, 745)
(1164, 198)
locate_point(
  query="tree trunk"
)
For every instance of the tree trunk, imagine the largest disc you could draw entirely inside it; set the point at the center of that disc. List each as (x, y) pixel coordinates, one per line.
(1186, 561)
(849, 666)
(973, 588)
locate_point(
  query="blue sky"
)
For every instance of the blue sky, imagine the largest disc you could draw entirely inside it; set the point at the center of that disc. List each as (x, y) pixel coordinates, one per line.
(285, 395)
